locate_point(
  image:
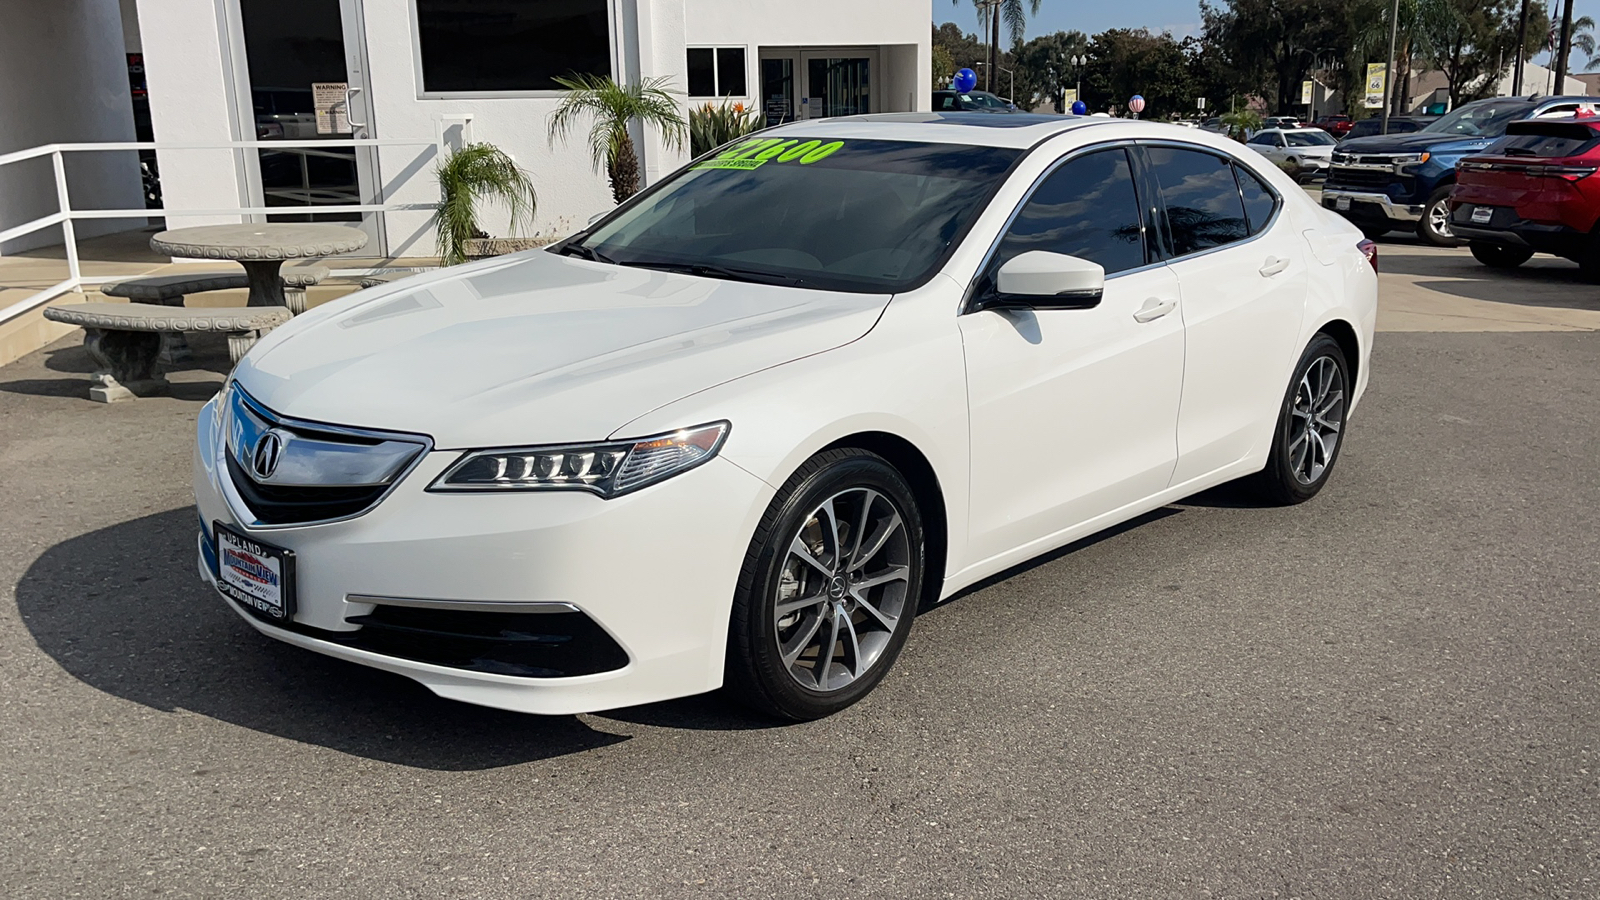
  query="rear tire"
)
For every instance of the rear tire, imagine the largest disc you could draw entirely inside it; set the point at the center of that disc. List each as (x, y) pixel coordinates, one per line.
(1496, 256)
(1589, 262)
(1434, 226)
(829, 588)
(1311, 424)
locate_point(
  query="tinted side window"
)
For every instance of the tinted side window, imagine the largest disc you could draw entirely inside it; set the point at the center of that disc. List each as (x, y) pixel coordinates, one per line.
(1259, 202)
(1085, 208)
(1201, 197)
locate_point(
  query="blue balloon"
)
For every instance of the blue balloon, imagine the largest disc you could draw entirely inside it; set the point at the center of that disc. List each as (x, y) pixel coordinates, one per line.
(965, 80)
(1080, 108)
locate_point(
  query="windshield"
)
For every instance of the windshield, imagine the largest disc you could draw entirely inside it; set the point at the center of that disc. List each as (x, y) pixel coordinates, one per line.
(982, 100)
(1487, 118)
(1309, 139)
(850, 215)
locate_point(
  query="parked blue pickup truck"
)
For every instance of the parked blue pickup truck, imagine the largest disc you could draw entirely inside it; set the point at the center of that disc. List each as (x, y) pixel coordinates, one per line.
(1391, 181)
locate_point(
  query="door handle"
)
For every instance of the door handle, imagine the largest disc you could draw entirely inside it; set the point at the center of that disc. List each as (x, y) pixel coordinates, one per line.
(349, 105)
(1273, 266)
(1154, 309)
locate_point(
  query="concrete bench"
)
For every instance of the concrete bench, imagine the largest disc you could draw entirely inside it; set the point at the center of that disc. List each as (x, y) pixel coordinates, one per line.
(124, 339)
(297, 278)
(169, 290)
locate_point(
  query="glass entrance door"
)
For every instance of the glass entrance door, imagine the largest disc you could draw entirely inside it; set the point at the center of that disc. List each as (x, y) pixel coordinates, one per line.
(305, 62)
(838, 85)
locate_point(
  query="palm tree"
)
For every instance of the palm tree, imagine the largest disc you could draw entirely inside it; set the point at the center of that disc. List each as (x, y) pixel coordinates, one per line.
(615, 107)
(473, 172)
(1583, 39)
(1010, 11)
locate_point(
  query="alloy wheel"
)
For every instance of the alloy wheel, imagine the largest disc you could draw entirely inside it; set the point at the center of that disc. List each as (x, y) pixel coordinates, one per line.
(842, 590)
(1439, 219)
(1316, 417)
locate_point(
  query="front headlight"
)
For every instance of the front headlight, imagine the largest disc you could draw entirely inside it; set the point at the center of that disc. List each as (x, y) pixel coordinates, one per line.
(609, 469)
(1410, 159)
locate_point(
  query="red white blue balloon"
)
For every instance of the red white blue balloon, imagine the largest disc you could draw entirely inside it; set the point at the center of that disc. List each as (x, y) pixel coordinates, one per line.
(1136, 104)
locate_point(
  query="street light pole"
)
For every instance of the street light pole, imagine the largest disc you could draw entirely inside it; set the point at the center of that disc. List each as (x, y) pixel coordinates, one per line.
(1388, 66)
(1522, 43)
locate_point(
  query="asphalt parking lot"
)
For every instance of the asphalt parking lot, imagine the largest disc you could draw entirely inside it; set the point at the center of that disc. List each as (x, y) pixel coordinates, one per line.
(1392, 691)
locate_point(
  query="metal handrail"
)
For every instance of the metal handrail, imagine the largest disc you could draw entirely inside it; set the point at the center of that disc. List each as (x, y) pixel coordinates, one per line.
(65, 216)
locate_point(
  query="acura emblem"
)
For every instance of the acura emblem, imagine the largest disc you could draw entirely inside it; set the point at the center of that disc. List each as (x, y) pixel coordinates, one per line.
(269, 449)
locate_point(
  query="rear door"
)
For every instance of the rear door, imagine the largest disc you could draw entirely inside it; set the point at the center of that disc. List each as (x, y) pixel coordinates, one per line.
(1243, 277)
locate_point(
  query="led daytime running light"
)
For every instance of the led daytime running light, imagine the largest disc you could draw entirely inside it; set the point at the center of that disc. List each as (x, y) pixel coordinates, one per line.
(609, 469)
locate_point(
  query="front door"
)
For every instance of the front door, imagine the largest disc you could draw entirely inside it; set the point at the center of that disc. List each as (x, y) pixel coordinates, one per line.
(303, 68)
(1073, 412)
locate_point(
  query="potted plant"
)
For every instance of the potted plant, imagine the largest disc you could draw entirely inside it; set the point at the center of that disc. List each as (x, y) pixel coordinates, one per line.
(614, 108)
(712, 126)
(1242, 124)
(472, 173)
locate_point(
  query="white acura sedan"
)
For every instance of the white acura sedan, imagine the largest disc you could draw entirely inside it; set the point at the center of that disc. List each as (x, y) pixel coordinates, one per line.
(739, 431)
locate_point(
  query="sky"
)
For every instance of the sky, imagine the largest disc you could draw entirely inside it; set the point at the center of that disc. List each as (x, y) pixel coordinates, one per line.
(1181, 17)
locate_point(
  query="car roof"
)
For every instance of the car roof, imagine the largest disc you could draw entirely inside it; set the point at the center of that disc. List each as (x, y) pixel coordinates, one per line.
(1018, 130)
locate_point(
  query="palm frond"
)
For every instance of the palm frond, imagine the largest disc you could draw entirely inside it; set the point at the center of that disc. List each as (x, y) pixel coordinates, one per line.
(612, 108)
(473, 173)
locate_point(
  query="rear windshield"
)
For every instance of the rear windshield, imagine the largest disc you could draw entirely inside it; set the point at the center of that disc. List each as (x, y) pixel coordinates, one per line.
(849, 215)
(1309, 138)
(1546, 140)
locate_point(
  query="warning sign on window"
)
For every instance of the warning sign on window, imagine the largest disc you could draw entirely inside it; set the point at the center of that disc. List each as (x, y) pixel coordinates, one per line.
(332, 99)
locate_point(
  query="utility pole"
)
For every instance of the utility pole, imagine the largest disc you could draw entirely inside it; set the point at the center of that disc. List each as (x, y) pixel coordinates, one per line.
(1522, 43)
(1565, 48)
(1389, 67)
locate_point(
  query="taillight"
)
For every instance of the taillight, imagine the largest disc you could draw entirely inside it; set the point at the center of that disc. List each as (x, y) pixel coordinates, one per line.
(1369, 249)
(1570, 173)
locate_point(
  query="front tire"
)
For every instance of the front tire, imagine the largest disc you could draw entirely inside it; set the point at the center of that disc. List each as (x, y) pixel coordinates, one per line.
(829, 588)
(1434, 226)
(1311, 423)
(1496, 256)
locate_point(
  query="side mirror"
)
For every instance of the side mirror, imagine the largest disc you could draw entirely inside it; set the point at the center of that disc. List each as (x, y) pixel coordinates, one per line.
(1040, 279)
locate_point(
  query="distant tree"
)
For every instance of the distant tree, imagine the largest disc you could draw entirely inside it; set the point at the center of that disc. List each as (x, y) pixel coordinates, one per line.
(1128, 61)
(1042, 69)
(1470, 42)
(965, 50)
(1270, 45)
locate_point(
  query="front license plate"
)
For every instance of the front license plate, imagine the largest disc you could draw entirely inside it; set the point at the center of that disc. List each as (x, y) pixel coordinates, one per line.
(257, 576)
(1342, 204)
(1482, 214)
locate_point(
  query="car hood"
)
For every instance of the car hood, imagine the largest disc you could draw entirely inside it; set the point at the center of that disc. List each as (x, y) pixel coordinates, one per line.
(536, 348)
(1414, 142)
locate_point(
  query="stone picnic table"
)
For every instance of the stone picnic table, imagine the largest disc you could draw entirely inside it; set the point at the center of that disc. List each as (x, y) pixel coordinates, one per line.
(261, 248)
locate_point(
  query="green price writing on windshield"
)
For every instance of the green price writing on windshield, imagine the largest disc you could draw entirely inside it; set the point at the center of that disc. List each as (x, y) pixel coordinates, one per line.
(757, 152)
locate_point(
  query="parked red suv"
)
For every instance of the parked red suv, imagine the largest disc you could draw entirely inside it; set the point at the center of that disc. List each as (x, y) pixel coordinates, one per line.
(1338, 126)
(1533, 191)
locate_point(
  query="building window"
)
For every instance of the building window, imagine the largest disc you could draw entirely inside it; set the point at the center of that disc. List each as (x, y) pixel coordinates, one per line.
(716, 72)
(488, 46)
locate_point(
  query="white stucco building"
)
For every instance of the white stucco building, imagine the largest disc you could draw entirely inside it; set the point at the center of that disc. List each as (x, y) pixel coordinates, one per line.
(423, 71)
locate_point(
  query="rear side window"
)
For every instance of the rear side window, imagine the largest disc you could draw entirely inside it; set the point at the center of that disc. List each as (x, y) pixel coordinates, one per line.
(1259, 200)
(1085, 208)
(1202, 200)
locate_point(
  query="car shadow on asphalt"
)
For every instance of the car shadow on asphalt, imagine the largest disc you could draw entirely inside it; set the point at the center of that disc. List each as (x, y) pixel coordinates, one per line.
(123, 610)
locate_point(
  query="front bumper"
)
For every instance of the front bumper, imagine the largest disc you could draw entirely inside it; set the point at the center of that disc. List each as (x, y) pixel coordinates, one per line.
(1369, 206)
(655, 570)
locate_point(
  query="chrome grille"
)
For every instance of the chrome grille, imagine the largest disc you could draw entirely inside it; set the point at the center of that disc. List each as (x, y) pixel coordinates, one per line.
(292, 472)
